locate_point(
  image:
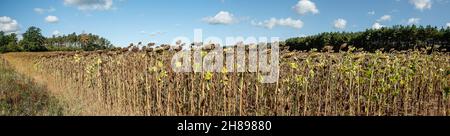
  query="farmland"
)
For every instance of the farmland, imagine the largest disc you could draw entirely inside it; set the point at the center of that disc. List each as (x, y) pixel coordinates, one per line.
(311, 83)
(21, 96)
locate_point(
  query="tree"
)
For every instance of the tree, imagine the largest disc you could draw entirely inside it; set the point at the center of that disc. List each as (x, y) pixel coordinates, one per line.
(2, 42)
(8, 43)
(33, 40)
(397, 37)
(12, 43)
(86, 42)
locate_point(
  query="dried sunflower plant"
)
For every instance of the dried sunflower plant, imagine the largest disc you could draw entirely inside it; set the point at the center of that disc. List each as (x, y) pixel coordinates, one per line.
(260, 79)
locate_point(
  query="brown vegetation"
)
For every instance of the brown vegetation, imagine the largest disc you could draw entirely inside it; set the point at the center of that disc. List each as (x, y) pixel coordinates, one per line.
(310, 83)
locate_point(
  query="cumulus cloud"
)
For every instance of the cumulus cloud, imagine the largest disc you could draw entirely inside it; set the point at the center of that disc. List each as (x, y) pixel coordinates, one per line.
(39, 10)
(385, 18)
(340, 23)
(223, 17)
(377, 25)
(413, 21)
(151, 34)
(143, 32)
(51, 19)
(42, 11)
(90, 4)
(9, 25)
(448, 24)
(56, 33)
(306, 6)
(156, 34)
(371, 12)
(271, 23)
(421, 4)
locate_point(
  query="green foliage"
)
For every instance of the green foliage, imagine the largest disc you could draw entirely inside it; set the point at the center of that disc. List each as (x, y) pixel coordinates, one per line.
(396, 37)
(8, 43)
(33, 40)
(71, 42)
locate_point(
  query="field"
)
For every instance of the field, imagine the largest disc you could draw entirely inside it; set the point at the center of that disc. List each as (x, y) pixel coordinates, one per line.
(21, 96)
(310, 84)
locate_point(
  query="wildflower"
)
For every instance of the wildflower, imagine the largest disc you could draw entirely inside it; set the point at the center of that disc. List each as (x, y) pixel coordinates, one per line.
(76, 58)
(260, 78)
(152, 69)
(300, 80)
(208, 76)
(402, 82)
(162, 75)
(311, 72)
(224, 70)
(99, 61)
(160, 64)
(204, 53)
(293, 65)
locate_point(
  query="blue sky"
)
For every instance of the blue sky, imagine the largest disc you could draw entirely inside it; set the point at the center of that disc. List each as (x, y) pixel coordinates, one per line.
(126, 21)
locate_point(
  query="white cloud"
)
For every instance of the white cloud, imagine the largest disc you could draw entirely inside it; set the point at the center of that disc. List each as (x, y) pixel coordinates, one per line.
(385, 18)
(90, 4)
(223, 17)
(56, 33)
(42, 11)
(421, 4)
(306, 6)
(371, 12)
(51, 19)
(156, 34)
(39, 10)
(151, 34)
(288, 22)
(413, 20)
(9, 25)
(377, 25)
(448, 24)
(340, 23)
(394, 11)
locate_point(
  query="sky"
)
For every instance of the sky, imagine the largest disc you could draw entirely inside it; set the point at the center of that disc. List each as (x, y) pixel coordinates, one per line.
(161, 21)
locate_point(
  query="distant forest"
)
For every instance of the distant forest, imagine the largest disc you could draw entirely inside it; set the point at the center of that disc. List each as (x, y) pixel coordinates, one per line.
(388, 38)
(33, 41)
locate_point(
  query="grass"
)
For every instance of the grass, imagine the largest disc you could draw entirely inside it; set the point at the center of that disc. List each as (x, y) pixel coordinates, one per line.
(20, 96)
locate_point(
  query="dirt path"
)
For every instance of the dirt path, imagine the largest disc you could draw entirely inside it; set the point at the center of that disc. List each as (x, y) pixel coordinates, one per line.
(64, 92)
(20, 95)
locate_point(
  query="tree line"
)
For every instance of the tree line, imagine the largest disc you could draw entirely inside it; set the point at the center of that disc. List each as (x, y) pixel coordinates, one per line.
(33, 41)
(397, 37)
(389, 38)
